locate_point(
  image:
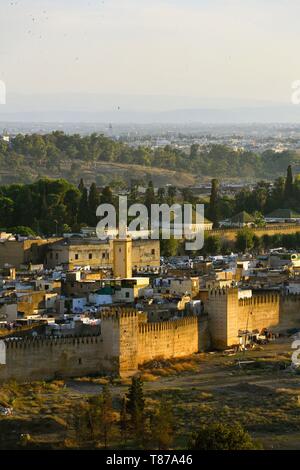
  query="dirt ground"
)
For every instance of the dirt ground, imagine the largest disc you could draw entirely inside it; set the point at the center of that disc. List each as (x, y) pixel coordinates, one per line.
(257, 388)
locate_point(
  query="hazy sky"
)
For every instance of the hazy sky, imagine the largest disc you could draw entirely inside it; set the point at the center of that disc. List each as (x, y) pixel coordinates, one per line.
(236, 49)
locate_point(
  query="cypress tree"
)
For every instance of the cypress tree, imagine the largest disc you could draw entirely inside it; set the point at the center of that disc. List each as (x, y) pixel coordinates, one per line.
(135, 399)
(288, 189)
(83, 207)
(214, 203)
(123, 423)
(162, 426)
(106, 196)
(149, 196)
(81, 185)
(93, 202)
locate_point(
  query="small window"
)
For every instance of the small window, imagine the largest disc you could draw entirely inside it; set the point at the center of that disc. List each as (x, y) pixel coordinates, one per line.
(127, 295)
(153, 251)
(90, 255)
(76, 256)
(80, 361)
(56, 255)
(103, 255)
(120, 249)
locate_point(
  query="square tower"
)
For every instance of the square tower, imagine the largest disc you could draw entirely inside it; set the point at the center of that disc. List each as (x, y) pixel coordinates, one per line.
(122, 265)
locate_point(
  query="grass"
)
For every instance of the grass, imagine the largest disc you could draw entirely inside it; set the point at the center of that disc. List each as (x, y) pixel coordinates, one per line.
(264, 397)
(166, 368)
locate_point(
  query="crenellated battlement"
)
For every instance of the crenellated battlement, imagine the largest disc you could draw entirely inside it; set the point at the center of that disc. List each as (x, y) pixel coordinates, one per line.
(219, 291)
(290, 297)
(259, 300)
(118, 313)
(42, 341)
(145, 328)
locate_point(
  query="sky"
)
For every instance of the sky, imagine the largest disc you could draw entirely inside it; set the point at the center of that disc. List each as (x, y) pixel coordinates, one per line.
(210, 49)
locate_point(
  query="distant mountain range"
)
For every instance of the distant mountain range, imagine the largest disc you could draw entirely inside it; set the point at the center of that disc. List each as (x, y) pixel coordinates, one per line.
(80, 107)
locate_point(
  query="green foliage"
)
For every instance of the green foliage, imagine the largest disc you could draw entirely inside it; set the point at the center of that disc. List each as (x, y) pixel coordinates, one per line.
(162, 426)
(214, 211)
(136, 408)
(169, 247)
(93, 420)
(245, 240)
(212, 245)
(135, 397)
(49, 150)
(23, 231)
(218, 436)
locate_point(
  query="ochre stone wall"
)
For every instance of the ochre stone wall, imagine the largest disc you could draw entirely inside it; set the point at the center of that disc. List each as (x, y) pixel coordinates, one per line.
(16, 253)
(45, 359)
(227, 315)
(126, 341)
(230, 234)
(259, 312)
(176, 338)
(290, 311)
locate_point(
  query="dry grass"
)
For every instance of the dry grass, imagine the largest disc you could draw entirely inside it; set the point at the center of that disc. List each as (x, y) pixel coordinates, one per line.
(165, 368)
(94, 380)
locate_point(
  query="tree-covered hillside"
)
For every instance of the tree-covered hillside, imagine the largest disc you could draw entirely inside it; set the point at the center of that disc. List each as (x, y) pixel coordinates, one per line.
(53, 151)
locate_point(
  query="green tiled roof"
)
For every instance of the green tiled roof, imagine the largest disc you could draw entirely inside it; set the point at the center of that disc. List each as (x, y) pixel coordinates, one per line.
(283, 214)
(242, 218)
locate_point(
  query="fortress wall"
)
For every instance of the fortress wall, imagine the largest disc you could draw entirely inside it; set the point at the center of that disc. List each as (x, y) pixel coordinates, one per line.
(45, 359)
(259, 312)
(176, 338)
(129, 347)
(204, 336)
(290, 311)
(230, 234)
(227, 315)
(218, 319)
(126, 341)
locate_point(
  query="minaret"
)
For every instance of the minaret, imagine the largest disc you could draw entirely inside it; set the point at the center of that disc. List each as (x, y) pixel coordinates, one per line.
(122, 264)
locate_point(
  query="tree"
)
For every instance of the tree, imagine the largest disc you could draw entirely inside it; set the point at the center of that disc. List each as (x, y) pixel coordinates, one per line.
(93, 420)
(23, 231)
(149, 196)
(6, 211)
(212, 245)
(82, 423)
(106, 415)
(244, 240)
(169, 247)
(133, 196)
(72, 200)
(288, 189)
(123, 423)
(93, 203)
(219, 436)
(214, 203)
(172, 191)
(259, 220)
(161, 195)
(106, 196)
(81, 185)
(162, 426)
(136, 406)
(83, 212)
